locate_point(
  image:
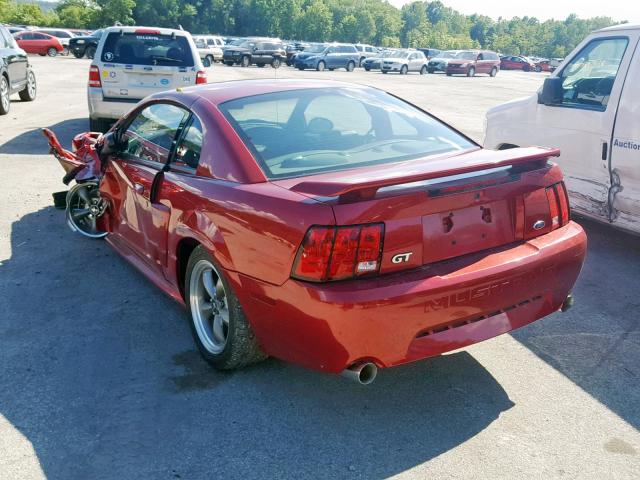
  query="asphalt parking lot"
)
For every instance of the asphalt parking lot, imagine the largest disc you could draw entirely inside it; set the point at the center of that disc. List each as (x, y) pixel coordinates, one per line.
(99, 377)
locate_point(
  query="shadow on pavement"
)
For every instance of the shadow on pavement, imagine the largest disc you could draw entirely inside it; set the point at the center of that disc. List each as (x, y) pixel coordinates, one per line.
(100, 374)
(596, 344)
(33, 142)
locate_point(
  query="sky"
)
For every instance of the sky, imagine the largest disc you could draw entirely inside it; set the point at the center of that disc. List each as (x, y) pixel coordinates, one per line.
(545, 9)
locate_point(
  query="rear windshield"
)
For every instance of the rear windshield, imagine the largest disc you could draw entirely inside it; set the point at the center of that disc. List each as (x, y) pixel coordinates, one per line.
(147, 49)
(307, 131)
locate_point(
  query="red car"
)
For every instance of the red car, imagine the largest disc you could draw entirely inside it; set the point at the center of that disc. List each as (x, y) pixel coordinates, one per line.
(471, 62)
(40, 43)
(517, 63)
(333, 225)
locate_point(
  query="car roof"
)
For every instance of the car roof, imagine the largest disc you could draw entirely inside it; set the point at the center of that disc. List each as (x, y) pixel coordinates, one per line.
(221, 92)
(143, 29)
(622, 26)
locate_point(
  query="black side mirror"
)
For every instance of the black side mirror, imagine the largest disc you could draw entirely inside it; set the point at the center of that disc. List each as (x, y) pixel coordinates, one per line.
(552, 92)
(111, 142)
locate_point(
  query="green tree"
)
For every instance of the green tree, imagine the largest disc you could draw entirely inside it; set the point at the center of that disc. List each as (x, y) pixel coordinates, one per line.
(77, 13)
(116, 11)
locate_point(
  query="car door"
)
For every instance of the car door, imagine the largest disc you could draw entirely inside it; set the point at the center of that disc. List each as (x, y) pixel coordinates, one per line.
(624, 194)
(16, 59)
(482, 64)
(580, 124)
(41, 42)
(139, 220)
(330, 57)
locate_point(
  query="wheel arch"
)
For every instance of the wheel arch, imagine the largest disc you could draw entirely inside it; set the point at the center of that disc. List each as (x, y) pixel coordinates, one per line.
(184, 249)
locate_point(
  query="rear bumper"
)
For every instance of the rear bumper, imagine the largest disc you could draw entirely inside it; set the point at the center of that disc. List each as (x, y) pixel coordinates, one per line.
(404, 317)
(100, 107)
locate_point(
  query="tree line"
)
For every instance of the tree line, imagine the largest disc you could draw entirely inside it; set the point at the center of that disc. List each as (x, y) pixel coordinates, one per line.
(417, 24)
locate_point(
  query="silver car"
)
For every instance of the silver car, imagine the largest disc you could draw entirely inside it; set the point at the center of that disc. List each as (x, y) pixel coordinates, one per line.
(405, 61)
(133, 62)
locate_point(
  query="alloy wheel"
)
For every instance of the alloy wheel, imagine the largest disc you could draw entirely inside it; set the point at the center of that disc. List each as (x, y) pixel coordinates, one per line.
(209, 307)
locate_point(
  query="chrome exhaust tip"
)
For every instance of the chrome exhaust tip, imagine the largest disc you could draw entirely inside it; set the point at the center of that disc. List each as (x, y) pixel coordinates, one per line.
(362, 373)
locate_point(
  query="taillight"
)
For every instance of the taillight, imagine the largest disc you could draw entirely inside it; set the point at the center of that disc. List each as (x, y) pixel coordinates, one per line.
(558, 205)
(94, 77)
(201, 77)
(338, 253)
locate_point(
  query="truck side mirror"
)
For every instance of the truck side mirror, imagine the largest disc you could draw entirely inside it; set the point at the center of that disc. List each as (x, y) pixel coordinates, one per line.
(552, 92)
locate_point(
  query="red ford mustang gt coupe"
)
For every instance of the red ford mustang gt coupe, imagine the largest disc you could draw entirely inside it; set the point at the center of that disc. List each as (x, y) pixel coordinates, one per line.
(334, 225)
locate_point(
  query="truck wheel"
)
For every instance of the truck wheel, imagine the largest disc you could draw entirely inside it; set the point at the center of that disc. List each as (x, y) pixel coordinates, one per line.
(90, 52)
(78, 54)
(494, 71)
(52, 52)
(351, 66)
(220, 329)
(320, 66)
(30, 90)
(471, 72)
(5, 103)
(245, 62)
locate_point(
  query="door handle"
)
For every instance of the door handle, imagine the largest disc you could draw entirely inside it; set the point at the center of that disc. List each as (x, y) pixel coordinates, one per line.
(138, 188)
(605, 150)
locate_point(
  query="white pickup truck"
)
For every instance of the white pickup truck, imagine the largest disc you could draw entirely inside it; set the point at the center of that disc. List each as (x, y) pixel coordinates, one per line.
(589, 108)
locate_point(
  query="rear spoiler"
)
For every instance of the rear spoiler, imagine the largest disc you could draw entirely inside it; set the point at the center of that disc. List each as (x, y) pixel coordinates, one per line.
(358, 186)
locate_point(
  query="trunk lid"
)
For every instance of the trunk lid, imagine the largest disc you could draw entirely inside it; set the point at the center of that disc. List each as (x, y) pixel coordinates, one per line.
(441, 208)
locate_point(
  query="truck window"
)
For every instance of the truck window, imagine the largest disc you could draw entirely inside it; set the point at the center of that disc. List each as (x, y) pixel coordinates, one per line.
(587, 80)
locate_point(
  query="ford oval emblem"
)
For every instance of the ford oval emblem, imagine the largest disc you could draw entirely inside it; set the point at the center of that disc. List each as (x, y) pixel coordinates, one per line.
(539, 225)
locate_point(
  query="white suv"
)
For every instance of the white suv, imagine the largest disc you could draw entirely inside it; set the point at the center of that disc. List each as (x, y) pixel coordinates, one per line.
(210, 48)
(133, 62)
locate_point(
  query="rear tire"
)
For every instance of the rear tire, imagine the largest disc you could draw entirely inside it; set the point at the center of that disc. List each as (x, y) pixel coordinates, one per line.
(30, 90)
(471, 72)
(52, 52)
(320, 66)
(5, 102)
(206, 61)
(90, 52)
(225, 345)
(423, 70)
(367, 69)
(351, 66)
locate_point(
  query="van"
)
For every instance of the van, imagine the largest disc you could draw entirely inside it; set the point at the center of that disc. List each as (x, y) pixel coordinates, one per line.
(133, 62)
(589, 108)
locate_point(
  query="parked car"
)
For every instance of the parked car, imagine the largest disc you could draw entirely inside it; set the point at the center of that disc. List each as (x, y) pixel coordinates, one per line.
(16, 75)
(332, 56)
(40, 43)
(292, 49)
(133, 62)
(375, 63)
(430, 52)
(366, 51)
(439, 62)
(517, 62)
(405, 61)
(255, 51)
(543, 65)
(210, 48)
(328, 186)
(589, 109)
(85, 45)
(555, 63)
(61, 34)
(471, 62)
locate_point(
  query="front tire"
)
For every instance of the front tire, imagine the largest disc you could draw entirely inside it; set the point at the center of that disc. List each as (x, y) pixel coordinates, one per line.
(90, 52)
(494, 71)
(78, 54)
(220, 329)
(423, 70)
(404, 70)
(30, 90)
(52, 52)
(471, 72)
(245, 62)
(275, 63)
(351, 66)
(320, 66)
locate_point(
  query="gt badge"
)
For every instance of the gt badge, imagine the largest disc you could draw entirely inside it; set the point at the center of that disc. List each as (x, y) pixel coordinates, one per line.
(401, 257)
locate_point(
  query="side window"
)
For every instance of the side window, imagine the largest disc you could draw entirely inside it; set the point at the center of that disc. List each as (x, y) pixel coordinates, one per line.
(151, 134)
(587, 80)
(480, 57)
(189, 148)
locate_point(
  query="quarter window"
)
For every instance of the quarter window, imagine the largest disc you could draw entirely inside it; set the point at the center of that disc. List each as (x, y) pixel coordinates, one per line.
(151, 134)
(588, 78)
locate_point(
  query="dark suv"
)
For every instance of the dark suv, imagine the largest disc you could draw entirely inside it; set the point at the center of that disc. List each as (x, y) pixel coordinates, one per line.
(85, 45)
(16, 75)
(256, 51)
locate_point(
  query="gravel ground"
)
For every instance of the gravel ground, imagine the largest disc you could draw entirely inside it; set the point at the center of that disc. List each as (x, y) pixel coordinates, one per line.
(99, 377)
